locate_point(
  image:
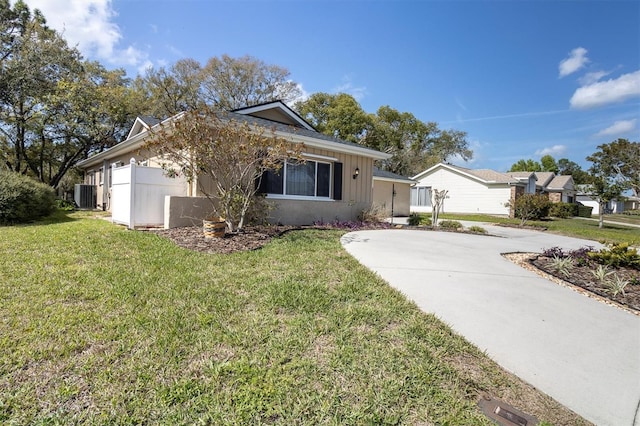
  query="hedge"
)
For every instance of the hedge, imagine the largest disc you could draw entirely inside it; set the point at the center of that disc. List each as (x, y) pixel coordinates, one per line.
(23, 199)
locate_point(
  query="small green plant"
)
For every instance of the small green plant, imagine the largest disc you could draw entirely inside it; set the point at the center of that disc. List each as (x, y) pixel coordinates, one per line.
(450, 224)
(65, 205)
(477, 229)
(562, 265)
(617, 285)
(602, 273)
(617, 255)
(414, 219)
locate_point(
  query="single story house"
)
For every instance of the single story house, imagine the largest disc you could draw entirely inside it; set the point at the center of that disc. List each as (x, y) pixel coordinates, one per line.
(391, 192)
(470, 191)
(484, 190)
(560, 188)
(584, 196)
(338, 175)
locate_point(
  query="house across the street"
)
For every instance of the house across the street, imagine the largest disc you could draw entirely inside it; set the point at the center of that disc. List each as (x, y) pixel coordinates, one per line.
(485, 191)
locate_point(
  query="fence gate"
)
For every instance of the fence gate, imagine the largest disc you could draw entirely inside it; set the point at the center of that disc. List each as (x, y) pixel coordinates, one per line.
(137, 194)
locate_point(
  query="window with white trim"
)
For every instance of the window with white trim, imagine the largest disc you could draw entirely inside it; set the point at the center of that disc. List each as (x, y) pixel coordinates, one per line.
(421, 196)
(302, 179)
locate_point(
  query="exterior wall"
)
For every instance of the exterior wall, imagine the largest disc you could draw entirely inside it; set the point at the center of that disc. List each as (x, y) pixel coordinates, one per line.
(297, 212)
(189, 211)
(185, 211)
(555, 197)
(357, 190)
(516, 192)
(382, 193)
(465, 194)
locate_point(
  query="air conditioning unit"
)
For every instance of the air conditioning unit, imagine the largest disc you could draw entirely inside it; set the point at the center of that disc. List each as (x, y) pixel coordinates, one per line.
(85, 196)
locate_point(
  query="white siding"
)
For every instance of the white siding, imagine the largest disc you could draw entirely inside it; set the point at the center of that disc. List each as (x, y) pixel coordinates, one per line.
(465, 194)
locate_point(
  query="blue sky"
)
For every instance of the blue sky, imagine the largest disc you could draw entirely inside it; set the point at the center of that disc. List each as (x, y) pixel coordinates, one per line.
(522, 78)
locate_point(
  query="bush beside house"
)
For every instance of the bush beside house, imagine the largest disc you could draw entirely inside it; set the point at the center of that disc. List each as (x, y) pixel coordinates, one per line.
(23, 199)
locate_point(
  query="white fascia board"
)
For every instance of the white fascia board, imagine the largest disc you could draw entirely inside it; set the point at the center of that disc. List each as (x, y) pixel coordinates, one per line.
(334, 146)
(286, 110)
(127, 145)
(387, 179)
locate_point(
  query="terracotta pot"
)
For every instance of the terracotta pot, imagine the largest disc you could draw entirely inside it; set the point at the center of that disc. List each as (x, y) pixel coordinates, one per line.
(214, 227)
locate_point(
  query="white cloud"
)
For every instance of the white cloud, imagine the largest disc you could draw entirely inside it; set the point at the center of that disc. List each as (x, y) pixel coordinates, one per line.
(347, 87)
(592, 77)
(554, 150)
(619, 128)
(89, 25)
(607, 92)
(576, 60)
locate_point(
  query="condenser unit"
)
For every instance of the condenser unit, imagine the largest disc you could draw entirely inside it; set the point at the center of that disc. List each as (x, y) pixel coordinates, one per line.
(85, 196)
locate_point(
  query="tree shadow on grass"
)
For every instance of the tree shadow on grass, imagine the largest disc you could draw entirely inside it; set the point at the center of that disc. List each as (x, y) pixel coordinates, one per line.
(58, 216)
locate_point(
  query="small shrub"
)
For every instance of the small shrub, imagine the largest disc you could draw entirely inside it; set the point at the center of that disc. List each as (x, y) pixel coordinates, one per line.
(562, 265)
(554, 252)
(414, 219)
(617, 285)
(531, 207)
(617, 255)
(450, 224)
(23, 199)
(563, 210)
(602, 273)
(477, 229)
(584, 211)
(581, 255)
(374, 213)
(65, 205)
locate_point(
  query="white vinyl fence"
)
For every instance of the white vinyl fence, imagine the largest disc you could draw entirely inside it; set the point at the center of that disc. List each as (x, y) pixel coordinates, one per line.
(137, 194)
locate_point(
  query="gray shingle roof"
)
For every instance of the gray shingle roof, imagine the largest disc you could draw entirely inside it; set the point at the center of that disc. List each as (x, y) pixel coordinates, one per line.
(487, 175)
(561, 182)
(388, 175)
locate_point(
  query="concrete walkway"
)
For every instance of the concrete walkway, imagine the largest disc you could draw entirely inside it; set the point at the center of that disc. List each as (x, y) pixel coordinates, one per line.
(580, 351)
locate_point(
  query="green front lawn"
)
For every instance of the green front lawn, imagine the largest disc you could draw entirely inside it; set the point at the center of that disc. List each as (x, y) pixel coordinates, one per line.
(101, 325)
(572, 227)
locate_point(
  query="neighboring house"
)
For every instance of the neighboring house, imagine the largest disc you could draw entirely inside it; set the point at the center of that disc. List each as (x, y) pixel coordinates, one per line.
(334, 183)
(469, 191)
(484, 190)
(584, 196)
(560, 188)
(391, 191)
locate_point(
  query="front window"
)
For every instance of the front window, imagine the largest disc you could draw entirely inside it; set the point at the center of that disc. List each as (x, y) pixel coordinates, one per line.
(421, 196)
(306, 179)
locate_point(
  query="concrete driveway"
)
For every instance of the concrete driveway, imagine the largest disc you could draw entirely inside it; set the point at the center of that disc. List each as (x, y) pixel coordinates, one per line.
(580, 351)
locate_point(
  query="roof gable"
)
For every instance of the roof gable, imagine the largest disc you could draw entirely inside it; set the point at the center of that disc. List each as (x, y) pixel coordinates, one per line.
(560, 183)
(142, 124)
(275, 111)
(484, 176)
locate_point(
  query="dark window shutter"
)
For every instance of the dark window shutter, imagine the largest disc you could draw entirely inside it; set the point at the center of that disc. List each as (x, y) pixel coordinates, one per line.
(337, 181)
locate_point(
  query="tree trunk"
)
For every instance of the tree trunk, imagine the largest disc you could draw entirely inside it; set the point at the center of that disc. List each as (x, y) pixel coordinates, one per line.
(601, 215)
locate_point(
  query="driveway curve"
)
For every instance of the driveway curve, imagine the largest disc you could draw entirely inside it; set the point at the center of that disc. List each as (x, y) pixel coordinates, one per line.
(580, 351)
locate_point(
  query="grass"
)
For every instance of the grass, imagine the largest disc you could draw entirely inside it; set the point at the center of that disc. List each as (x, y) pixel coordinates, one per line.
(622, 218)
(572, 227)
(100, 325)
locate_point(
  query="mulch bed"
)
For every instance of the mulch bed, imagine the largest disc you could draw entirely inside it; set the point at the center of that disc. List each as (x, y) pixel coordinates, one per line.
(251, 238)
(582, 276)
